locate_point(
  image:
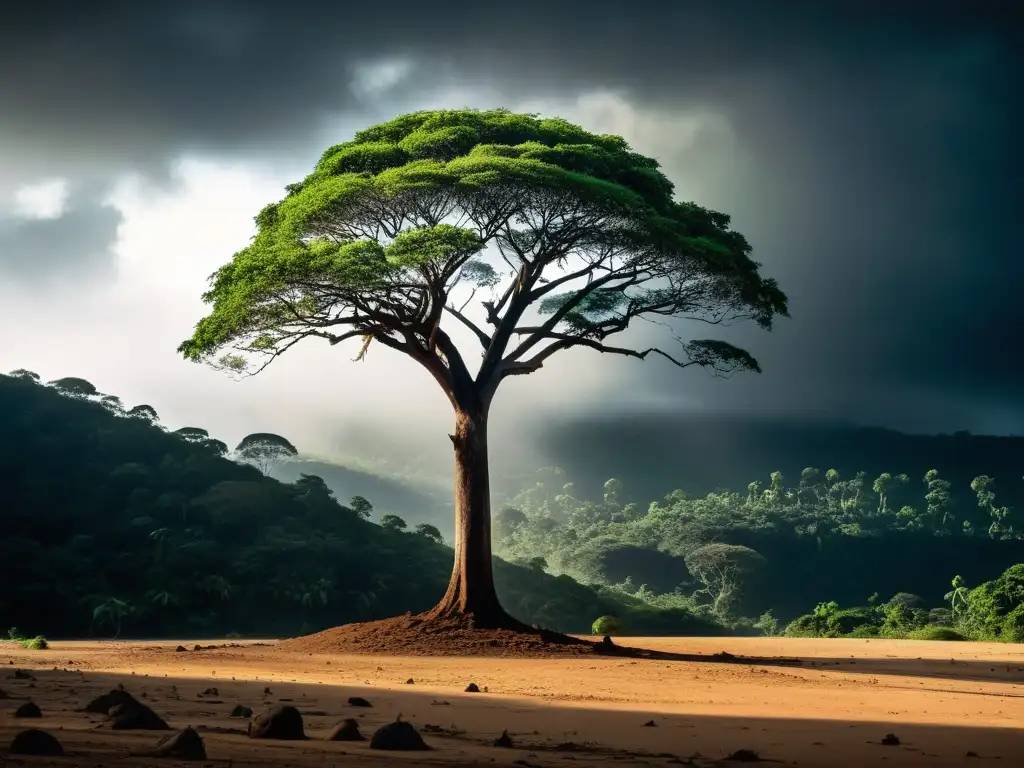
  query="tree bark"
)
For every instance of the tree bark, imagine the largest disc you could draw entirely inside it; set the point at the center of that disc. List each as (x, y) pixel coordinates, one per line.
(471, 588)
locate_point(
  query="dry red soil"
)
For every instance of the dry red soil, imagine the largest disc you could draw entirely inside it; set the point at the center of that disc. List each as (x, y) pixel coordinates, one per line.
(949, 704)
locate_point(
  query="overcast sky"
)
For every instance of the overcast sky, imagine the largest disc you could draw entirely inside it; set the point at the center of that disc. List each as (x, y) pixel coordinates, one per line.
(867, 151)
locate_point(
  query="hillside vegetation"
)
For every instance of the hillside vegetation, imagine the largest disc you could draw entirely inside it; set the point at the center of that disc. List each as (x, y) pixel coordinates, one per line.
(112, 525)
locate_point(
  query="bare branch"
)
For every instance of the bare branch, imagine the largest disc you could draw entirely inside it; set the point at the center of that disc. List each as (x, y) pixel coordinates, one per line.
(483, 338)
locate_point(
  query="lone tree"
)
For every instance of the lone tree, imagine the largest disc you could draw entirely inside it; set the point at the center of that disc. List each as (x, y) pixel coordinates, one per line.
(519, 236)
(265, 450)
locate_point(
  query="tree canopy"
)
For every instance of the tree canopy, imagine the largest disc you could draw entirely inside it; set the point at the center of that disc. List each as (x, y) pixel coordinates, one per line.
(265, 450)
(403, 226)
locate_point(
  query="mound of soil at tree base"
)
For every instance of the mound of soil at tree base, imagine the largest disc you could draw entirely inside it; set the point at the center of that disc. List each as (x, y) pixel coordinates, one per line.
(426, 635)
(421, 636)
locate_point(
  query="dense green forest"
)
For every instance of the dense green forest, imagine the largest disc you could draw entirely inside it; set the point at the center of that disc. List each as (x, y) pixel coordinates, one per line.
(777, 549)
(113, 524)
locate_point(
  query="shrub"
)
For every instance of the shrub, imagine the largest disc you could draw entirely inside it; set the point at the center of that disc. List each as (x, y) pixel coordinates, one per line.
(935, 632)
(864, 630)
(35, 643)
(606, 625)
(1012, 627)
(804, 626)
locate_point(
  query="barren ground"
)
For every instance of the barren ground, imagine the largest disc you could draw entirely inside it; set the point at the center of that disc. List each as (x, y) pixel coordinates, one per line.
(942, 700)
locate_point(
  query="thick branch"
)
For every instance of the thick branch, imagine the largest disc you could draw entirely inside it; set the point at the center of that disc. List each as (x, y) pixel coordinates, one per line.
(546, 329)
(482, 337)
(566, 341)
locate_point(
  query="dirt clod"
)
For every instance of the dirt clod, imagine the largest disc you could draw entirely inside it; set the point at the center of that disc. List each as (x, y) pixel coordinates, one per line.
(398, 736)
(240, 711)
(211, 692)
(472, 688)
(650, 724)
(28, 709)
(284, 723)
(186, 744)
(135, 716)
(181, 649)
(890, 740)
(358, 701)
(504, 740)
(21, 674)
(744, 756)
(101, 704)
(36, 742)
(346, 730)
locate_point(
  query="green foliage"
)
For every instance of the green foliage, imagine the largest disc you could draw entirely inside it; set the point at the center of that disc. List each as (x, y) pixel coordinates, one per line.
(393, 523)
(605, 626)
(265, 450)
(363, 248)
(932, 632)
(37, 643)
(429, 531)
(115, 527)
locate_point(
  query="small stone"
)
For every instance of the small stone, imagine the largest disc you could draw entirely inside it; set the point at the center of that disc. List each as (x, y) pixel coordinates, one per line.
(36, 742)
(650, 724)
(181, 649)
(346, 730)
(472, 688)
(410, 681)
(358, 701)
(101, 704)
(135, 717)
(240, 711)
(744, 756)
(398, 736)
(284, 723)
(28, 709)
(186, 744)
(211, 692)
(504, 740)
(890, 740)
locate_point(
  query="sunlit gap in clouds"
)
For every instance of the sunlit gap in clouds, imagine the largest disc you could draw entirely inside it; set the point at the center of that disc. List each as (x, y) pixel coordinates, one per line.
(46, 199)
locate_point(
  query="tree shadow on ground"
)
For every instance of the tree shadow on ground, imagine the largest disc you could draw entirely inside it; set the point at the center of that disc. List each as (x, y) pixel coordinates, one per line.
(461, 729)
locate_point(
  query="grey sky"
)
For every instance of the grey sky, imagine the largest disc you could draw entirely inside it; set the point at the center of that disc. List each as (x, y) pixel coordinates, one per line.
(865, 149)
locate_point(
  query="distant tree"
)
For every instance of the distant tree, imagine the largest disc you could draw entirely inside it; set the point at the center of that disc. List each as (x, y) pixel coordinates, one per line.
(722, 570)
(572, 234)
(112, 403)
(23, 373)
(112, 611)
(192, 434)
(74, 387)
(361, 507)
(265, 450)
(429, 531)
(938, 501)
(145, 412)
(606, 626)
(393, 523)
(199, 436)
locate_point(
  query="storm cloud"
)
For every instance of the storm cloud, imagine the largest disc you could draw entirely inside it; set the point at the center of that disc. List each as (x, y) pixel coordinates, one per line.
(867, 150)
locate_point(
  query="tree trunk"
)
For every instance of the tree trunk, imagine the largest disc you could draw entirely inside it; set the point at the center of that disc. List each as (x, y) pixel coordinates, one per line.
(471, 589)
